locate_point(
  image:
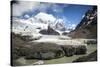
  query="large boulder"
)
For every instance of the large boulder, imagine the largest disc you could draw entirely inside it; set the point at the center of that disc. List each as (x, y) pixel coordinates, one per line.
(68, 49)
(80, 49)
(41, 51)
(91, 42)
(71, 50)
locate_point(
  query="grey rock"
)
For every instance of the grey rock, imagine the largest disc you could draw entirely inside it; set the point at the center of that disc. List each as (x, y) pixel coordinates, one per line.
(49, 31)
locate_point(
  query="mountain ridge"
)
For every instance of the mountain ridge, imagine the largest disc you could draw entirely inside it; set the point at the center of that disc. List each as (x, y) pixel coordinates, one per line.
(87, 28)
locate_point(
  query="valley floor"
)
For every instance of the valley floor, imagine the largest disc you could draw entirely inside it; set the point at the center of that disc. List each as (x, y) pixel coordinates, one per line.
(91, 48)
(59, 40)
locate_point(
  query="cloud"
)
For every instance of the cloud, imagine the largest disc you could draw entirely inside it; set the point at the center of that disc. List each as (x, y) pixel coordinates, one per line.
(43, 7)
(57, 8)
(22, 6)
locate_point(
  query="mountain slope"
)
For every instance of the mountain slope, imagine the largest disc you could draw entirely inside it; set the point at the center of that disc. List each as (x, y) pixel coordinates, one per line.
(87, 28)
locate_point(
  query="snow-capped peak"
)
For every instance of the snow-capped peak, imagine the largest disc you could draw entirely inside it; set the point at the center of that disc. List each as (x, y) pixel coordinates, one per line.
(45, 18)
(40, 21)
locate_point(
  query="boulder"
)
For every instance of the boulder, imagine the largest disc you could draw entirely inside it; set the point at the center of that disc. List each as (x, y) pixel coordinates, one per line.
(80, 49)
(69, 50)
(42, 51)
(91, 42)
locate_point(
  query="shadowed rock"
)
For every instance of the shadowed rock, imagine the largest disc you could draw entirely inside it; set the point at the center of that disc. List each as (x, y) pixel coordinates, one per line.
(44, 51)
(80, 49)
(69, 50)
(49, 31)
(90, 57)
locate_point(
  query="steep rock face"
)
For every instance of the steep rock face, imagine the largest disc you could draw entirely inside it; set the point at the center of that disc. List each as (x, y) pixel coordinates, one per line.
(87, 28)
(49, 31)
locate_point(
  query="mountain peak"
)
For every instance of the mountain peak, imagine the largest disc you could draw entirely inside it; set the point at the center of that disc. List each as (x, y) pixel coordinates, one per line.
(47, 18)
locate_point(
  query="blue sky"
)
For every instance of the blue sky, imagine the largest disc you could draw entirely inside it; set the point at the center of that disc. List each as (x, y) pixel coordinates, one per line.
(70, 13)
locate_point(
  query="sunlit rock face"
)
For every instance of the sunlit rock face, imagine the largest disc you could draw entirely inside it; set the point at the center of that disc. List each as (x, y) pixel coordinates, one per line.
(87, 28)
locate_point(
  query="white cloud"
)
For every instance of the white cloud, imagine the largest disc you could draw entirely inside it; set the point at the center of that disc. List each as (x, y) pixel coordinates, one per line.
(56, 8)
(23, 6)
(59, 8)
(42, 7)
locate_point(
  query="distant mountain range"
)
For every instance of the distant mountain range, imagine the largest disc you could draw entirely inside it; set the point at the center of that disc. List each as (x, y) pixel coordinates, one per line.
(39, 22)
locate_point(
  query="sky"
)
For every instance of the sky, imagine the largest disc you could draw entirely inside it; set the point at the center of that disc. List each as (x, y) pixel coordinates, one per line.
(70, 13)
